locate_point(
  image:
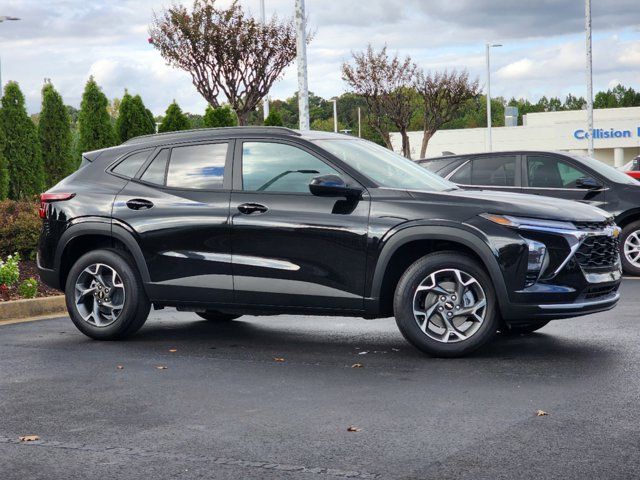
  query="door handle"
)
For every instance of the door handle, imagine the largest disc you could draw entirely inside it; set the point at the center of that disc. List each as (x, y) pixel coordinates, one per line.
(139, 204)
(252, 208)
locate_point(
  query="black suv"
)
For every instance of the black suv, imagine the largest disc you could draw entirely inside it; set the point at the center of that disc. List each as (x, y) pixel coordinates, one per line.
(554, 174)
(225, 222)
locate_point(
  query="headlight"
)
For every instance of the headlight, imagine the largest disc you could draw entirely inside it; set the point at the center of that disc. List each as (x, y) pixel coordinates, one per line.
(537, 261)
(528, 223)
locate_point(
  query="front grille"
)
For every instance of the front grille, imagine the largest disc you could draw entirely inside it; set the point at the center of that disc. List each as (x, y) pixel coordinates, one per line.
(598, 252)
(595, 292)
(591, 226)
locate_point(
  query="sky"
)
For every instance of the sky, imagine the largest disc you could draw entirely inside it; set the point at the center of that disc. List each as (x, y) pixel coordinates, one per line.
(543, 50)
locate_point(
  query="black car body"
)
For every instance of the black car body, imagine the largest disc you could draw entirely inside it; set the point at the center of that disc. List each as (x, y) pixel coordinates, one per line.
(553, 174)
(268, 220)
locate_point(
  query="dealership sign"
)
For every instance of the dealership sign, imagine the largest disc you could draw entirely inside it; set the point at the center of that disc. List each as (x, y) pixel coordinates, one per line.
(599, 133)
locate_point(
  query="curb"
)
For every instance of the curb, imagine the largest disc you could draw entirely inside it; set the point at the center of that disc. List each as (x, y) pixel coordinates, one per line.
(41, 308)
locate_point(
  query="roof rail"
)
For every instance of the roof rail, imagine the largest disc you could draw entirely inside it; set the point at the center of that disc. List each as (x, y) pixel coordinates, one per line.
(187, 133)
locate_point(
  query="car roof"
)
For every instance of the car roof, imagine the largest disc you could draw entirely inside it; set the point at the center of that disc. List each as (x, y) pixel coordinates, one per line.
(206, 133)
(209, 133)
(505, 152)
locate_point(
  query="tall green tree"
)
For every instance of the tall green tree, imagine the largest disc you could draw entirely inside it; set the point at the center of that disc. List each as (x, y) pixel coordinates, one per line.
(94, 123)
(219, 117)
(274, 119)
(4, 169)
(174, 119)
(22, 148)
(54, 132)
(133, 118)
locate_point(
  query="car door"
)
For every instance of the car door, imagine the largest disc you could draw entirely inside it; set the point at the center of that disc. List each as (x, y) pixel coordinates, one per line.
(556, 176)
(489, 172)
(291, 248)
(177, 206)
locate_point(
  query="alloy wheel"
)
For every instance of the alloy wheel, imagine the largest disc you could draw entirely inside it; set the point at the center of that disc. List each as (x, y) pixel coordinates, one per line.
(99, 295)
(449, 305)
(632, 248)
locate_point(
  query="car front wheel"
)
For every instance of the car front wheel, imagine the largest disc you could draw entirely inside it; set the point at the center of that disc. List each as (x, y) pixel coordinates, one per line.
(630, 248)
(105, 297)
(445, 305)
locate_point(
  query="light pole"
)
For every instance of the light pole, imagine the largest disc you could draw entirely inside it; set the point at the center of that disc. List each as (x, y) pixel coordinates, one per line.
(587, 27)
(359, 123)
(488, 46)
(265, 101)
(301, 50)
(2, 19)
(335, 114)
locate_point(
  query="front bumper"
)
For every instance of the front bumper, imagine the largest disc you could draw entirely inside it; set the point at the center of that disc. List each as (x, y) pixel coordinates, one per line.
(551, 311)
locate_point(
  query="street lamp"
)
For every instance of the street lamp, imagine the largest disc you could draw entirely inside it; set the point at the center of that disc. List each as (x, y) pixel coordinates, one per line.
(587, 27)
(2, 19)
(301, 51)
(488, 47)
(335, 114)
(266, 98)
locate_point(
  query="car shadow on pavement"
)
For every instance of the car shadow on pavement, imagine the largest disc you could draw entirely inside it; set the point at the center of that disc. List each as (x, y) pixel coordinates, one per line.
(309, 339)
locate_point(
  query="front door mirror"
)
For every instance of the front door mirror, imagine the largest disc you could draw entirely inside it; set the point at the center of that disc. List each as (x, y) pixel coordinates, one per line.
(588, 183)
(332, 186)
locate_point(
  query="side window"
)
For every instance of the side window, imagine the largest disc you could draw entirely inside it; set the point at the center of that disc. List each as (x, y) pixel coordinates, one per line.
(155, 172)
(462, 175)
(130, 165)
(494, 171)
(197, 166)
(276, 167)
(550, 172)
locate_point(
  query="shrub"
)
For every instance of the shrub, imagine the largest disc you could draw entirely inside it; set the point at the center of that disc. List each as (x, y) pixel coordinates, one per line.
(10, 270)
(28, 288)
(20, 228)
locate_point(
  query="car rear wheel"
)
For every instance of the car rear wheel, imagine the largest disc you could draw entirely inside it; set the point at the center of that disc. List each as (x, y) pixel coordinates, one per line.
(215, 316)
(105, 297)
(445, 305)
(630, 248)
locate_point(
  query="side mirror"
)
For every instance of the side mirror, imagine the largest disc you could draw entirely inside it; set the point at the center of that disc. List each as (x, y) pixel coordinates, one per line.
(588, 183)
(332, 186)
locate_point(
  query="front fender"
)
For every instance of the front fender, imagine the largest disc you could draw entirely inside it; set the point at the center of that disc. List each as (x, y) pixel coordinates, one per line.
(464, 234)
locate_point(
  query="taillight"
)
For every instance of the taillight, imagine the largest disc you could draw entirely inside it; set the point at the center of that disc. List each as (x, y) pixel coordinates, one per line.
(52, 197)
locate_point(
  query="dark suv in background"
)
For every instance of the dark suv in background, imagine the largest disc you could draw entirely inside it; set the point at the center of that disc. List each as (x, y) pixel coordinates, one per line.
(226, 222)
(554, 174)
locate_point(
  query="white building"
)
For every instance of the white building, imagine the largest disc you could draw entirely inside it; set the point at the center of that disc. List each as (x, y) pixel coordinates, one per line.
(616, 135)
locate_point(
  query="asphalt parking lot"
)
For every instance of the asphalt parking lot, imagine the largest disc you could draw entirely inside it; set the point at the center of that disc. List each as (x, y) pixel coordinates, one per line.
(273, 397)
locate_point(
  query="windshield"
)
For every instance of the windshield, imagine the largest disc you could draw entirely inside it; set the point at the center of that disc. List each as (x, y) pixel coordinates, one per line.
(384, 167)
(606, 171)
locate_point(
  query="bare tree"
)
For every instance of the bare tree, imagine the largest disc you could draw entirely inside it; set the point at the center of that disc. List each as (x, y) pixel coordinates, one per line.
(385, 83)
(225, 51)
(443, 95)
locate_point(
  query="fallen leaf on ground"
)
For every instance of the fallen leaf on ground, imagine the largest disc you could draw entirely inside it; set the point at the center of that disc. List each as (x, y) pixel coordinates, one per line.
(173, 350)
(278, 359)
(161, 367)
(357, 365)
(29, 438)
(120, 367)
(541, 413)
(351, 428)
(362, 353)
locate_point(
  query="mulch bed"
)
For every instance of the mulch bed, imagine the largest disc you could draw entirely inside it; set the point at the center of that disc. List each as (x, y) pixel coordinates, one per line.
(28, 269)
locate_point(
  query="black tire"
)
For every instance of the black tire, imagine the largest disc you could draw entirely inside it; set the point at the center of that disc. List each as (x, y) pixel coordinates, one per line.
(628, 267)
(404, 297)
(215, 316)
(523, 329)
(136, 306)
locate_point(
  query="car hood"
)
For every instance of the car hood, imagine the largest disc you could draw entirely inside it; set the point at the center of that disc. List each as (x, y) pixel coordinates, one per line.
(522, 205)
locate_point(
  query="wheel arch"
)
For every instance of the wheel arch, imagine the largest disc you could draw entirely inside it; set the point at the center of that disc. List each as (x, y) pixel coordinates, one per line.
(91, 235)
(628, 217)
(406, 246)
